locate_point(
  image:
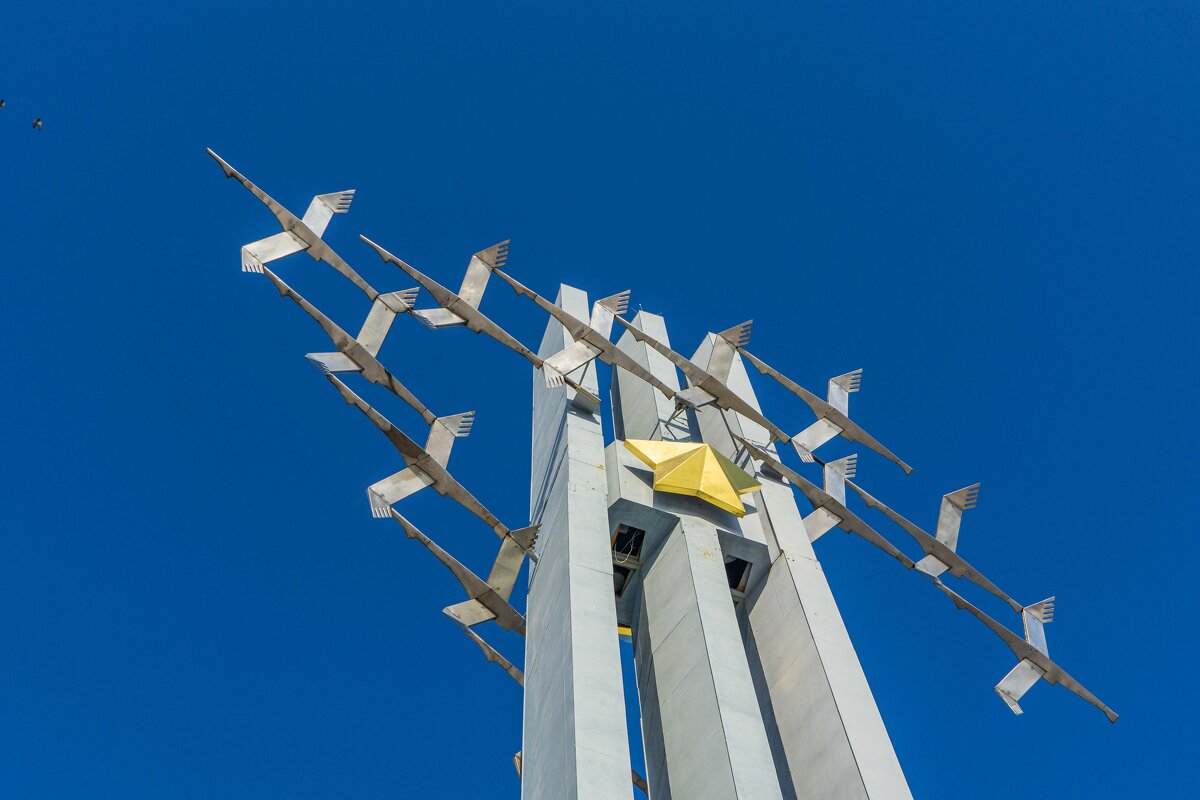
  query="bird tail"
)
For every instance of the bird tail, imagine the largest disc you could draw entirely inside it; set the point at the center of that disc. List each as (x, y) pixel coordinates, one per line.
(836, 473)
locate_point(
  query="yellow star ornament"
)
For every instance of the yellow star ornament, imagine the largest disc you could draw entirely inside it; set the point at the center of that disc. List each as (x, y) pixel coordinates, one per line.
(695, 469)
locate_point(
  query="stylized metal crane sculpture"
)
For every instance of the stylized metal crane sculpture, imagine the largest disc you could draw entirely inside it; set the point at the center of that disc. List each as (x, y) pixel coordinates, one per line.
(689, 542)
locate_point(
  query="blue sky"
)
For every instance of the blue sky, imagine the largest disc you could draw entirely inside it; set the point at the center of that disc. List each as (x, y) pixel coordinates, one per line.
(994, 210)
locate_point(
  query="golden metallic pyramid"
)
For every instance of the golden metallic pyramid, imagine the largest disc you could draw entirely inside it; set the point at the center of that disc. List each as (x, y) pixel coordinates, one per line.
(695, 469)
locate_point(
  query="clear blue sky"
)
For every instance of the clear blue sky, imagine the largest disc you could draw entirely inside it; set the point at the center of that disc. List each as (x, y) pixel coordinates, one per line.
(993, 210)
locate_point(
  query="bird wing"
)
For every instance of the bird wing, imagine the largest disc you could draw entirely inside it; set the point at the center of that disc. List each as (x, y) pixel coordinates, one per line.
(479, 270)
(951, 511)
(324, 206)
(287, 220)
(503, 575)
(272, 248)
(606, 309)
(395, 488)
(572, 357)
(442, 481)
(290, 222)
(381, 316)
(444, 431)
(841, 387)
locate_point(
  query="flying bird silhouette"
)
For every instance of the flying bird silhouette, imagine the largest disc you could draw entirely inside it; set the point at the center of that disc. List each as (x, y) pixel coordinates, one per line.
(488, 600)
(463, 308)
(1035, 662)
(359, 354)
(37, 124)
(941, 550)
(426, 466)
(299, 234)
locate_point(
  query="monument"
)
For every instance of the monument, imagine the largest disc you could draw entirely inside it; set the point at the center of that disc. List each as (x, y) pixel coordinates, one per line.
(683, 534)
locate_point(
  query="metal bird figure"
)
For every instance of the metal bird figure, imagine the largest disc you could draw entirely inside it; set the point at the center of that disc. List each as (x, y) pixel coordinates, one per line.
(1033, 653)
(427, 467)
(829, 512)
(832, 415)
(591, 338)
(463, 308)
(941, 550)
(359, 355)
(453, 309)
(488, 600)
(704, 387)
(37, 124)
(299, 234)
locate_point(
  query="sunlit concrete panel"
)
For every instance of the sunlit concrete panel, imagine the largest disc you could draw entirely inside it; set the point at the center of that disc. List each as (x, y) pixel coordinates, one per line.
(705, 735)
(575, 741)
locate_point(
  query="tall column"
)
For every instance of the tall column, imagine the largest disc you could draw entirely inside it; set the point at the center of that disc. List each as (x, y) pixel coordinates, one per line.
(706, 729)
(702, 723)
(575, 742)
(829, 738)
